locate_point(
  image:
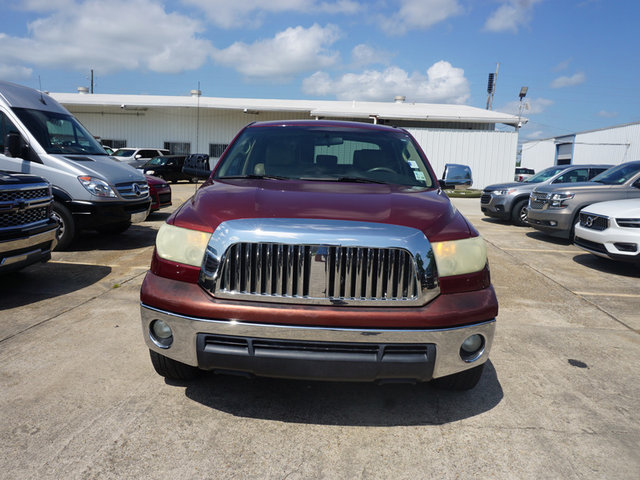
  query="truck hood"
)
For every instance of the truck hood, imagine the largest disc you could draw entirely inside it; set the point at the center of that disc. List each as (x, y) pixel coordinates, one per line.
(105, 167)
(429, 211)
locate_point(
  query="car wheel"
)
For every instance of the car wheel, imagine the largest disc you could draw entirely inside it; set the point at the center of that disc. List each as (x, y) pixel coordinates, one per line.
(66, 226)
(519, 213)
(169, 368)
(464, 380)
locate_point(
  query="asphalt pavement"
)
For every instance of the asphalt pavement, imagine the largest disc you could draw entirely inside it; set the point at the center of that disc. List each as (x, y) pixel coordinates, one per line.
(560, 397)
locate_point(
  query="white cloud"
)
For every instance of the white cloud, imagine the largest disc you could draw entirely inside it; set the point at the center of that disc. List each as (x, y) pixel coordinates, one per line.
(571, 81)
(607, 114)
(443, 83)
(510, 16)
(292, 51)
(90, 35)
(226, 14)
(419, 15)
(362, 55)
(14, 73)
(564, 65)
(533, 135)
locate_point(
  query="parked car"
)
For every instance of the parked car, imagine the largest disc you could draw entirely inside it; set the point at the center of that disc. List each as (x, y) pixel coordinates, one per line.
(554, 209)
(137, 157)
(456, 176)
(108, 149)
(320, 250)
(611, 230)
(508, 201)
(523, 173)
(196, 166)
(90, 190)
(27, 227)
(159, 191)
(168, 167)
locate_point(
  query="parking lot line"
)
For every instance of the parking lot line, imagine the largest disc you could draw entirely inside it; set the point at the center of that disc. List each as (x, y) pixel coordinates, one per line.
(600, 294)
(94, 264)
(545, 250)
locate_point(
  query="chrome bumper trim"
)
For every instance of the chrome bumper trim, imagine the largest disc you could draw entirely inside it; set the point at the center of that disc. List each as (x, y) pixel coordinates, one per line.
(447, 340)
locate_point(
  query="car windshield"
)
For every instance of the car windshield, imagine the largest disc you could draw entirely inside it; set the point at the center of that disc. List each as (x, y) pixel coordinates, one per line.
(545, 174)
(326, 153)
(59, 132)
(123, 152)
(618, 175)
(157, 161)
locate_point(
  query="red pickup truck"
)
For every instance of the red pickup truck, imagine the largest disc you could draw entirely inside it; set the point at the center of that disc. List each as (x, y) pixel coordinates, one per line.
(320, 250)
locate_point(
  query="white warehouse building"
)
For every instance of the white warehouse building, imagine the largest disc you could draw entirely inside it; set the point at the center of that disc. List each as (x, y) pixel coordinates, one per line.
(612, 145)
(196, 124)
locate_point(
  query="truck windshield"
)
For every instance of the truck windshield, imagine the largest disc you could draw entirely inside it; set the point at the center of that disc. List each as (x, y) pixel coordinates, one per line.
(58, 132)
(325, 153)
(545, 174)
(618, 175)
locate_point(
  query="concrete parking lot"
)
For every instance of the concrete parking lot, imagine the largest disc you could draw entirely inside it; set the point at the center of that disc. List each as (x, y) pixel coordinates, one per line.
(560, 397)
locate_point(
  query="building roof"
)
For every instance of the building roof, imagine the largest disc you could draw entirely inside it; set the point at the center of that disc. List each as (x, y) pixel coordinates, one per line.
(431, 112)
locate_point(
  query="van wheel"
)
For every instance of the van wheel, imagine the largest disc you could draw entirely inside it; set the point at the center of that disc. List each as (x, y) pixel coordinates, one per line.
(169, 368)
(464, 380)
(66, 226)
(519, 213)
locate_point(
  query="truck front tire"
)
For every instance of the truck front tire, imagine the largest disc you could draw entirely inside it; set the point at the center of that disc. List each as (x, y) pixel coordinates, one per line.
(169, 368)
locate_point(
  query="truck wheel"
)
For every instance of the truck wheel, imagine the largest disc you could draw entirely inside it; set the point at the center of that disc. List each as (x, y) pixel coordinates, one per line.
(464, 380)
(66, 226)
(519, 213)
(169, 368)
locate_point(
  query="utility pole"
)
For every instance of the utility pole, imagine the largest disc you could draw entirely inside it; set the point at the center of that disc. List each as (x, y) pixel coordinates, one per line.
(91, 90)
(491, 86)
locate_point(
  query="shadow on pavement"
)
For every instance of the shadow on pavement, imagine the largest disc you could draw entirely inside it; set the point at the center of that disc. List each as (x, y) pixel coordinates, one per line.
(347, 404)
(138, 235)
(47, 280)
(606, 265)
(547, 238)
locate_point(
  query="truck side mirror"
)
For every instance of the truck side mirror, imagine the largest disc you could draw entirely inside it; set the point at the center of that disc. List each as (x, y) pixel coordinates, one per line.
(442, 183)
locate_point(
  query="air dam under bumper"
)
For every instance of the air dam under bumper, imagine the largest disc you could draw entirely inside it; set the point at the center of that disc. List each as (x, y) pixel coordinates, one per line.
(320, 353)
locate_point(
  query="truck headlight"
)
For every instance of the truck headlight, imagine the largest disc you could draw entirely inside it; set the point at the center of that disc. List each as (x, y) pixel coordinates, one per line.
(97, 187)
(181, 245)
(458, 257)
(558, 200)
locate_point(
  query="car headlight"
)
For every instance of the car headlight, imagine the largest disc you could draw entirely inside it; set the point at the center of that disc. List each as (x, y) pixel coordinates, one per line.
(558, 200)
(458, 257)
(181, 245)
(504, 192)
(149, 172)
(97, 187)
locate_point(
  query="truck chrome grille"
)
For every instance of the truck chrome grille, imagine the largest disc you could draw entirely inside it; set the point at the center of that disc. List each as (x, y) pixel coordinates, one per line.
(537, 201)
(319, 273)
(24, 206)
(303, 271)
(133, 190)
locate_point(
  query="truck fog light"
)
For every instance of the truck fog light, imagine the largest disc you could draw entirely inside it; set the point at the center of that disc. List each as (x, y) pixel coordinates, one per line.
(553, 223)
(472, 348)
(161, 333)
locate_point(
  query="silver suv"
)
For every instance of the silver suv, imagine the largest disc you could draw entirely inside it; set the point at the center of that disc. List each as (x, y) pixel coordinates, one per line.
(555, 209)
(508, 201)
(137, 157)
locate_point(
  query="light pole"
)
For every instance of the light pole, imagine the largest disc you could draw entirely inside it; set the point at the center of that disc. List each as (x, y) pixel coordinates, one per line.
(523, 93)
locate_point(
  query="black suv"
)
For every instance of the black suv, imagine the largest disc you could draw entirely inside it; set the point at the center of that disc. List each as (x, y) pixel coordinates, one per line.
(28, 232)
(167, 167)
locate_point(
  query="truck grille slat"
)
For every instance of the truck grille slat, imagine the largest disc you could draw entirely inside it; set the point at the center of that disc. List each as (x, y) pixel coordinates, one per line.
(332, 273)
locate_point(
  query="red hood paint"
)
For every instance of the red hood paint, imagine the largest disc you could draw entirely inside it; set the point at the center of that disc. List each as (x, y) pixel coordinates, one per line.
(429, 211)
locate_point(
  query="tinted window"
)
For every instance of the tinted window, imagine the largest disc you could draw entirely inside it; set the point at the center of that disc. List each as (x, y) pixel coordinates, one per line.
(545, 174)
(326, 153)
(573, 176)
(618, 175)
(6, 127)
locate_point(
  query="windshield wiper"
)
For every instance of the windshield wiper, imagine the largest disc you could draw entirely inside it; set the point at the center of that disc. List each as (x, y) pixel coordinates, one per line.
(254, 177)
(342, 179)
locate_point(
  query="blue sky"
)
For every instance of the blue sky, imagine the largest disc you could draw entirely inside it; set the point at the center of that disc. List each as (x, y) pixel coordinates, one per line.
(578, 57)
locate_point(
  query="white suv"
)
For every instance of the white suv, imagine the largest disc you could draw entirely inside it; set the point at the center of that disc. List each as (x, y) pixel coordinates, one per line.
(611, 229)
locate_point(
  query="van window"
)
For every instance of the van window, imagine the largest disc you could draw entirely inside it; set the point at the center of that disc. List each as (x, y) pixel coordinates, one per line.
(59, 133)
(6, 127)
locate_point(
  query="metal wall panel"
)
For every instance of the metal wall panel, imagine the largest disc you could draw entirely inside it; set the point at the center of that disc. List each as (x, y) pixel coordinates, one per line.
(490, 154)
(613, 145)
(538, 154)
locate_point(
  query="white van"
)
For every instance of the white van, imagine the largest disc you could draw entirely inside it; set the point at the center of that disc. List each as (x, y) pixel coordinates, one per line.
(91, 190)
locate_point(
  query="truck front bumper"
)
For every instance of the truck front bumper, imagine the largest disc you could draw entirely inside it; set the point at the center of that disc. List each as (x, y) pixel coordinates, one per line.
(317, 352)
(30, 246)
(555, 222)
